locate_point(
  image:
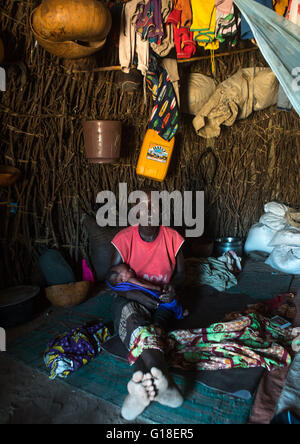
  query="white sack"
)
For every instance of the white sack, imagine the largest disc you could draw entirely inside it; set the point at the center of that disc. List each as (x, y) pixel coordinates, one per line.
(286, 259)
(289, 236)
(276, 208)
(259, 238)
(273, 221)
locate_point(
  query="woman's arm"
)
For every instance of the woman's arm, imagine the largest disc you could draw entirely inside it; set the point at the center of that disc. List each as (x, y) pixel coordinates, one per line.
(176, 281)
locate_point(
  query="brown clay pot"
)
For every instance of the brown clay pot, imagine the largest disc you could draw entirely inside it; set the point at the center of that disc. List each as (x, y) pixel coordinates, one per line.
(1, 51)
(8, 175)
(67, 20)
(102, 140)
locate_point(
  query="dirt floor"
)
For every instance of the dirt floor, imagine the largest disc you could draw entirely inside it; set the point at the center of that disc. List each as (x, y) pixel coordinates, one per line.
(29, 397)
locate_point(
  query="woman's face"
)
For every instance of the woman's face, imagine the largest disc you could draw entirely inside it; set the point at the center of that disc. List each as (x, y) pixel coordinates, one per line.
(150, 211)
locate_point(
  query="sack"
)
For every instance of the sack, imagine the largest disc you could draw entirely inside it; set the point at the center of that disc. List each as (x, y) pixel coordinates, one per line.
(276, 208)
(285, 258)
(196, 92)
(247, 90)
(259, 238)
(289, 236)
(273, 221)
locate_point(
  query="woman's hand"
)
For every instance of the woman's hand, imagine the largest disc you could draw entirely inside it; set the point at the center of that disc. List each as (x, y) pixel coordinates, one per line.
(168, 294)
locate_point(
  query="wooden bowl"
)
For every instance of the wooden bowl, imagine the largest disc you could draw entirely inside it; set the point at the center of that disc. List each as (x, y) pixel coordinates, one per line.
(68, 49)
(8, 175)
(68, 20)
(68, 295)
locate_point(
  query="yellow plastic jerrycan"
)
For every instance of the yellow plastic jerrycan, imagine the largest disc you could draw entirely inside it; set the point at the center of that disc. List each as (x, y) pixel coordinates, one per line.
(155, 156)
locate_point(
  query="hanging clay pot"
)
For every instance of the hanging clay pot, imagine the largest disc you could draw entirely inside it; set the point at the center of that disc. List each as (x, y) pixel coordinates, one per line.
(69, 20)
(8, 175)
(1, 51)
(102, 140)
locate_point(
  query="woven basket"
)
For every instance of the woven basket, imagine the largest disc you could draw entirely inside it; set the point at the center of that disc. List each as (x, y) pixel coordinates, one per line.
(68, 295)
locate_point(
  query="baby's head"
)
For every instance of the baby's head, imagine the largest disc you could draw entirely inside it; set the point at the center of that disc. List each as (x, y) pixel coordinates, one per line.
(119, 273)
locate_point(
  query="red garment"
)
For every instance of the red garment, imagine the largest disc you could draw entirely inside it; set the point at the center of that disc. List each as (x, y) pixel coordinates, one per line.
(154, 261)
(183, 37)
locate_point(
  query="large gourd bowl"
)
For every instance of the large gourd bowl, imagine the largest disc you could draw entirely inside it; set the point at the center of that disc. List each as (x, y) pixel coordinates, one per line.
(71, 28)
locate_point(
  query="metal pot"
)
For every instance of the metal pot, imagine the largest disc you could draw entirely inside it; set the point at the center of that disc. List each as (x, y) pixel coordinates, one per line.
(223, 244)
(17, 305)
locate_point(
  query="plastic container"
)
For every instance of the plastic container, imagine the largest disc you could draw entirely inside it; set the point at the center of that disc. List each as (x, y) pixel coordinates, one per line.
(102, 140)
(155, 156)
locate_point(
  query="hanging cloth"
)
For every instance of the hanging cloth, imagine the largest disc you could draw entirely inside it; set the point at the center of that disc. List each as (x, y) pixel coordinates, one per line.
(279, 42)
(280, 6)
(246, 31)
(164, 118)
(293, 12)
(183, 37)
(204, 23)
(149, 21)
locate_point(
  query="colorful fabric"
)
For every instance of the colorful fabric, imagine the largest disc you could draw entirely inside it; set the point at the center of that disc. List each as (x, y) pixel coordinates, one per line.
(183, 38)
(280, 6)
(244, 341)
(224, 6)
(293, 12)
(164, 118)
(171, 306)
(149, 21)
(149, 338)
(204, 23)
(130, 42)
(153, 261)
(74, 349)
(227, 26)
(186, 15)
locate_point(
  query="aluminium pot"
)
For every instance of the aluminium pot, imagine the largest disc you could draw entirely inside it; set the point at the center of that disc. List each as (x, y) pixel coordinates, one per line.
(224, 244)
(102, 140)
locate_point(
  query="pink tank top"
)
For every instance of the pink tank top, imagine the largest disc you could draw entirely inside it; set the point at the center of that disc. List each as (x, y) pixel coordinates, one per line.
(154, 261)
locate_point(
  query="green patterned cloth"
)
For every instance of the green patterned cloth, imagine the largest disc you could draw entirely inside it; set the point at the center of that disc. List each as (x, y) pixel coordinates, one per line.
(243, 340)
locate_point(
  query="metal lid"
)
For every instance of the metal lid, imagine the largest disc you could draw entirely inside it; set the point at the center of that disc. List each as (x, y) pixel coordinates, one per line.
(17, 295)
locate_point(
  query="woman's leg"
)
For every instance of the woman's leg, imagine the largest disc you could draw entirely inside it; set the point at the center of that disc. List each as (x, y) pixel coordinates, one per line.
(150, 380)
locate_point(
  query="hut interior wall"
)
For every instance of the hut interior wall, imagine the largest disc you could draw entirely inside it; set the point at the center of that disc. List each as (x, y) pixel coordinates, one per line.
(254, 161)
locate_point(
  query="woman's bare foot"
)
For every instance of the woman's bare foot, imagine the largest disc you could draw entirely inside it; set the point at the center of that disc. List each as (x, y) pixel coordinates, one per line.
(137, 399)
(159, 389)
